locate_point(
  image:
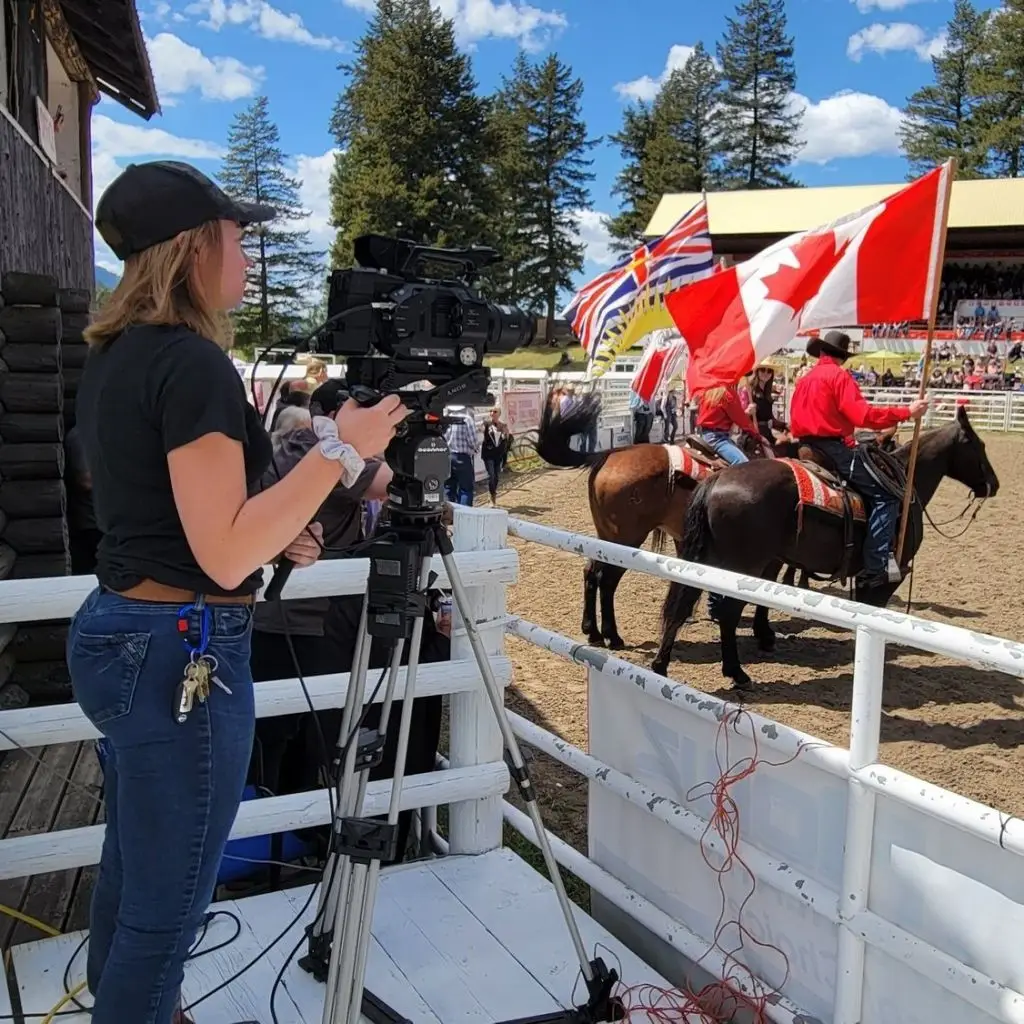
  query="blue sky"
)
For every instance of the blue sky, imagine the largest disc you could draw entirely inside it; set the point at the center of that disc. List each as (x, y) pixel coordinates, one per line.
(857, 60)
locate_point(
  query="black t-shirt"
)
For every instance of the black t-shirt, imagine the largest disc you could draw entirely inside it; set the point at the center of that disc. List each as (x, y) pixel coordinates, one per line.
(151, 390)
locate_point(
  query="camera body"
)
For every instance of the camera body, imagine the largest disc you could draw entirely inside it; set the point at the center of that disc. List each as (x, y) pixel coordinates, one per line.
(409, 313)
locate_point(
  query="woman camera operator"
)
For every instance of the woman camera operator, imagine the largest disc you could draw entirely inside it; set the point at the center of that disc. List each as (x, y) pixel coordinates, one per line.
(159, 651)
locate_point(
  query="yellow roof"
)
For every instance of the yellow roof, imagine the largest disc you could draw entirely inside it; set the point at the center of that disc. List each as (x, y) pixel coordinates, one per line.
(987, 203)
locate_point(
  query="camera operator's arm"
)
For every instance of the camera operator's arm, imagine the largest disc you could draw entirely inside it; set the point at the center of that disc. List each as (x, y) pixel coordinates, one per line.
(232, 535)
(378, 488)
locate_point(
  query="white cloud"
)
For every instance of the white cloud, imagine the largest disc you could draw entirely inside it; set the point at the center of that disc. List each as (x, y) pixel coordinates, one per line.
(646, 87)
(848, 124)
(882, 5)
(314, 173)
(115, 144)
(593, 231)
(179, 67)
(474, 20)
(897, 36)
(264, 19)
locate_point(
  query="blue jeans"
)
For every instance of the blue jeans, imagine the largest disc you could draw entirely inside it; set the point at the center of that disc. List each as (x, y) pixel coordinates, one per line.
(171, 791)
(882, 508)
(460, 485)
(723, 444)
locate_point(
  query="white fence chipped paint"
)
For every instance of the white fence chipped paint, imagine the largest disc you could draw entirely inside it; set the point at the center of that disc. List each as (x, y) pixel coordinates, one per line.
(894, 899)
(872, 881)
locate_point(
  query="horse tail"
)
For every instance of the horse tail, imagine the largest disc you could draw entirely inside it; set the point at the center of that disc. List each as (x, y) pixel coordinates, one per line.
(696, 542)
(697, 525)
(556, 430)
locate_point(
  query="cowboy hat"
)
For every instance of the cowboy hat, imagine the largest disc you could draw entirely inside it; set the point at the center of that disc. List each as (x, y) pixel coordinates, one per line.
(835, 343)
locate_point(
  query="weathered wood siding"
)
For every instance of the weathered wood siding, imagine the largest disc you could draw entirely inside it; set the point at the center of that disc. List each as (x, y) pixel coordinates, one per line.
(42, 229)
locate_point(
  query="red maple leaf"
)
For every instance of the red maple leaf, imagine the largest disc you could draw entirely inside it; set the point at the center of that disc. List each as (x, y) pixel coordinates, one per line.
(816, 257)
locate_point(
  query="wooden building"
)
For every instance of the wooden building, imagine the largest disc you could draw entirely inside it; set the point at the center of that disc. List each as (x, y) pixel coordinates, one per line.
(56, 58)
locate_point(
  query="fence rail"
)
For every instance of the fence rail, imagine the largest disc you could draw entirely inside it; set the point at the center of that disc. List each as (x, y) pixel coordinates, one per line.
(877, 834)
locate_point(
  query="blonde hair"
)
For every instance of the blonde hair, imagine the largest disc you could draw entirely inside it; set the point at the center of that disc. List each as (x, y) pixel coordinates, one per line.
(161, 285)
(715, 396)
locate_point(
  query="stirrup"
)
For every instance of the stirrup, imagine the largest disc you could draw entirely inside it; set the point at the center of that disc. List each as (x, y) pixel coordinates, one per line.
(893, 571)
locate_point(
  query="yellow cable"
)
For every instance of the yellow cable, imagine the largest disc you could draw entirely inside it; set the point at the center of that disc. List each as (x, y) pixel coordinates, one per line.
(19, 916)
(68, 996)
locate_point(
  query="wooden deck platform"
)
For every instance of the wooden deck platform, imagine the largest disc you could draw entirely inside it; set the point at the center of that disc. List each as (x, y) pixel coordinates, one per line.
(36, 797)
(458, 939)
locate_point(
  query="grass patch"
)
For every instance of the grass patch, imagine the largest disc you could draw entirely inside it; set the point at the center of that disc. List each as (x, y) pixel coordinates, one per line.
(577, 889)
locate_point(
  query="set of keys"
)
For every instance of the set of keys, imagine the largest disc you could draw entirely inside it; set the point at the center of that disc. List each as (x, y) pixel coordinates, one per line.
(199, 673)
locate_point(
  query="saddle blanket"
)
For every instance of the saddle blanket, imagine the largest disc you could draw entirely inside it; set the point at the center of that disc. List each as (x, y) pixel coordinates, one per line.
(816, 493)
(682, 463)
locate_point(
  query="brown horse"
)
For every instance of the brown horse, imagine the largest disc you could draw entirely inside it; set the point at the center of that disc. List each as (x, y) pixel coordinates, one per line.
(748, 519)
(633, 491)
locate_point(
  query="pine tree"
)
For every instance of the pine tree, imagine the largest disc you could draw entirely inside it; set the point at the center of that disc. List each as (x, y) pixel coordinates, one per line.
(760, 126)
(510, 170)
(412, 136)
(637, 201)
(673, 145)
(1000, 80)
(684, 153)
(556, 185)
(944, 119)
(285, 267)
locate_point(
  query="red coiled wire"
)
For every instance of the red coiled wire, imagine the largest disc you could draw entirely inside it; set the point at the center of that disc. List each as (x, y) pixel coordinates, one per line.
(720, 1001)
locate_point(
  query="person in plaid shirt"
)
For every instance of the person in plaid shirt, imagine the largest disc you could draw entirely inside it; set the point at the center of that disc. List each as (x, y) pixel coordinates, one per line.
(464, 444)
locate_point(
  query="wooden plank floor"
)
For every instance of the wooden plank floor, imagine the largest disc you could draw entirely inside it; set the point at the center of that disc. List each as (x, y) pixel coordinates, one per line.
(460, 939)
(36, 796)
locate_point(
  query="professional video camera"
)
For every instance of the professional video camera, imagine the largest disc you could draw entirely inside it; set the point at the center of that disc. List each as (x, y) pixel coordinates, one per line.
(409, 313)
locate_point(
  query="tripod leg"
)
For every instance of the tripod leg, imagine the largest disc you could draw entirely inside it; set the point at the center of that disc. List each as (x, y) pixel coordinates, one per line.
(520, 773)
(335, 873)
(373, 872)
(354, 921)
(348, 919)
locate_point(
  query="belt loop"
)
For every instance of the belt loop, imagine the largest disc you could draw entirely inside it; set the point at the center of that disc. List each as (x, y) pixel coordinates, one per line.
(200, 602)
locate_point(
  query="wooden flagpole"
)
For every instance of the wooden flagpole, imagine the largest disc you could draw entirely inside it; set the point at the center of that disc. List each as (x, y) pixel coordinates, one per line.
(926, 364)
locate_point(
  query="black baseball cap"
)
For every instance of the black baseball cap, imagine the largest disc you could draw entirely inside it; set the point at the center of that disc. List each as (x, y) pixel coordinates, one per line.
(152, 202)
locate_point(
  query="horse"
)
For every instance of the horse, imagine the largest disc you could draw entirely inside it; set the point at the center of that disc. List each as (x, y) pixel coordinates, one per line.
(752, 519)
(634, 492)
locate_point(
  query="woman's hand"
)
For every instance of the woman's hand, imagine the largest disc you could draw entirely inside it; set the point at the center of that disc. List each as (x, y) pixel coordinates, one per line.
(305, 549)
(369, 428)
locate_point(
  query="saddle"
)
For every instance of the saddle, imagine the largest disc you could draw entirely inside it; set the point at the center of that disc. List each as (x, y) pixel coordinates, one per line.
(703, 452)
(820, 487)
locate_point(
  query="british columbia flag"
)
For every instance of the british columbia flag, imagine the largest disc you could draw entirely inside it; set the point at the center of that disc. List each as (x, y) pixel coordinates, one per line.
(622, 305)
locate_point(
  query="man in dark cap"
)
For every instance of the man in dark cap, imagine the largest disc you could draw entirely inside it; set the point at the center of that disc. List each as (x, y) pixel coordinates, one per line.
(827, 408)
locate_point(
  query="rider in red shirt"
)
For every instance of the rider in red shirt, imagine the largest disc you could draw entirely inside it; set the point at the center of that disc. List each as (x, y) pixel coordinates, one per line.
(827, 407)
(719, 410)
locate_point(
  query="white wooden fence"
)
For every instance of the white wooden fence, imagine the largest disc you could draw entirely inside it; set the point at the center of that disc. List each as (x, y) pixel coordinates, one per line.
(893, 899)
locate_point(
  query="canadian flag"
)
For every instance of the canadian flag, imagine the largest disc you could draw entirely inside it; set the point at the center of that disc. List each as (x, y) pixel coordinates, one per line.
(877, 265)
(660, 362)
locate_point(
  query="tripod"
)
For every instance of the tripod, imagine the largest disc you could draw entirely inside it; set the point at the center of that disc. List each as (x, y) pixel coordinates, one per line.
(394, 607)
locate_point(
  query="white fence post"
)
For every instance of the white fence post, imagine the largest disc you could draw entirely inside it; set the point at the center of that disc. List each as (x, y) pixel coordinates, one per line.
(865, 723)
(474, 738)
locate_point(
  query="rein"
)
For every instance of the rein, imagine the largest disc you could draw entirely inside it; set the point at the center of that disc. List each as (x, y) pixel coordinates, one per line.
(974, 505)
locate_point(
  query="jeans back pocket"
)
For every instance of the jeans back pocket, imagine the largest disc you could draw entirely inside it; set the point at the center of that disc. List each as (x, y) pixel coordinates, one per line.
(105, 671)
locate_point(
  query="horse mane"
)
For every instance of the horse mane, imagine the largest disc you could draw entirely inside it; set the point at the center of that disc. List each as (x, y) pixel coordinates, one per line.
(929, 439)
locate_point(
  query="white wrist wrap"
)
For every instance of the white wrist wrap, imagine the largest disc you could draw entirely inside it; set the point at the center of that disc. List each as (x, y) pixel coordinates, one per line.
(332, 447)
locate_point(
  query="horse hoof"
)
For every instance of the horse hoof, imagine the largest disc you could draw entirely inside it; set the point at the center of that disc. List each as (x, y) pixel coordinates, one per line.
(740, 679)
(616, 643)
(766, 643)
(594, 639)
(659, 668)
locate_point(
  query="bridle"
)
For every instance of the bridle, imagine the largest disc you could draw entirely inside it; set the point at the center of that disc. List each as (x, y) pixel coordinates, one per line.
(974, 505)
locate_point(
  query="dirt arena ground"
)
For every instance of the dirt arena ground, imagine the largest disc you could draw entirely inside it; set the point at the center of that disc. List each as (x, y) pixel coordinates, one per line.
(952, 725)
